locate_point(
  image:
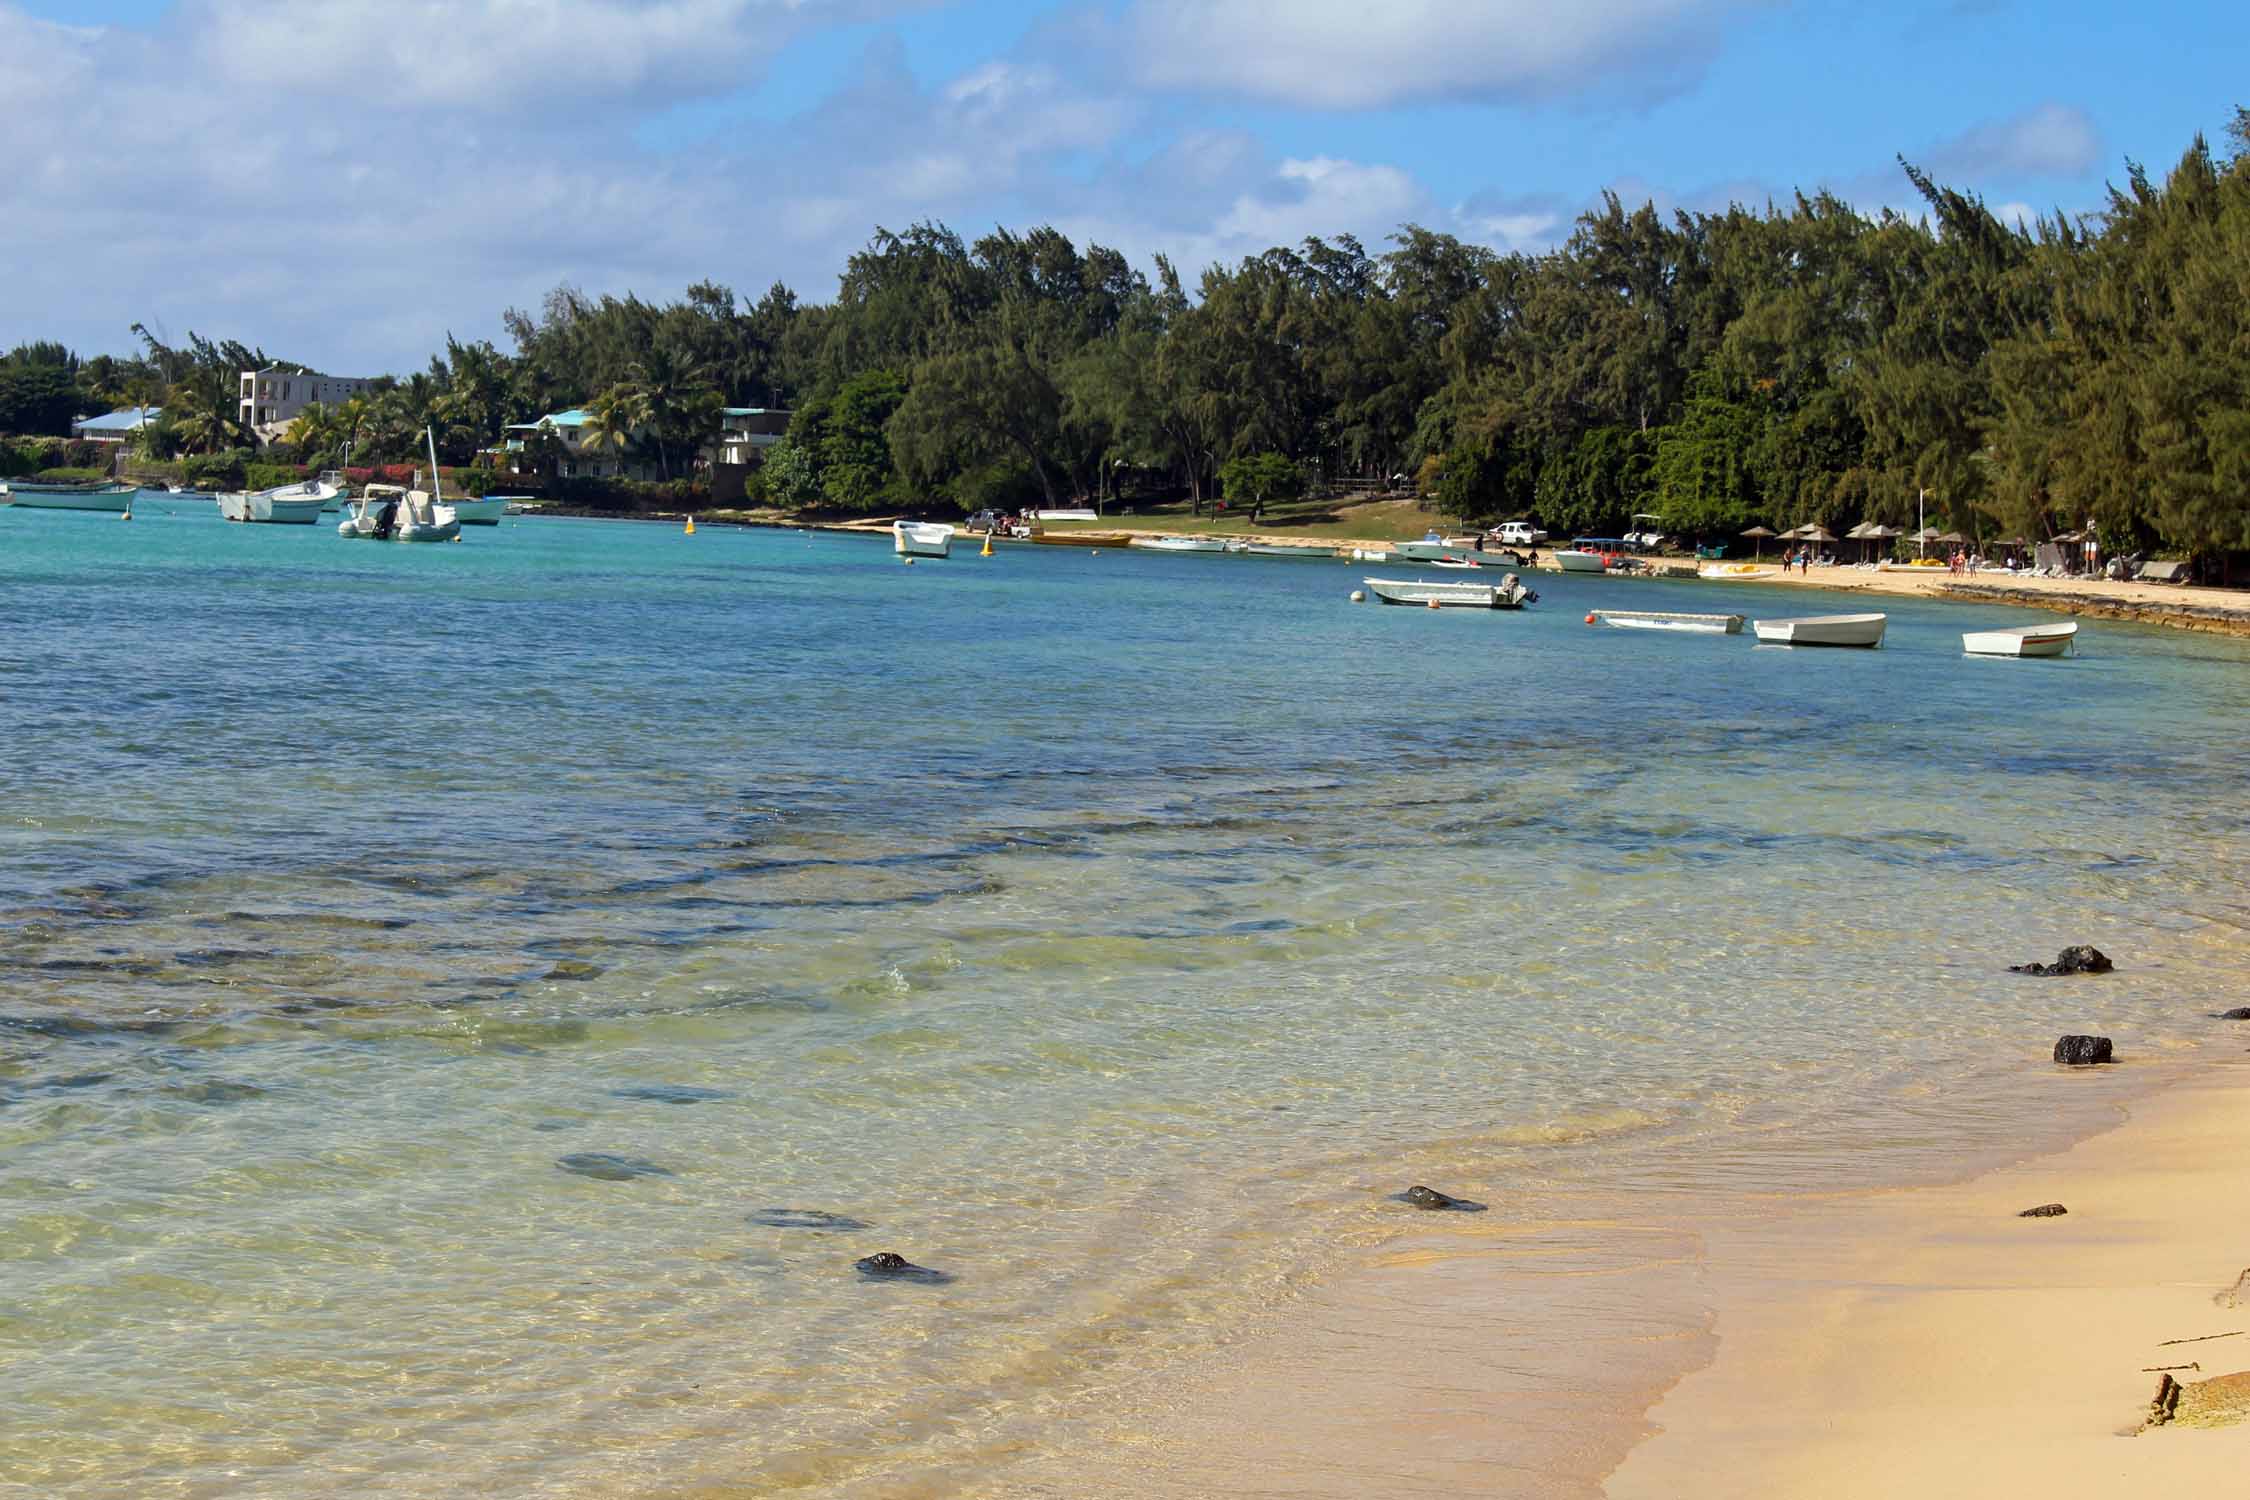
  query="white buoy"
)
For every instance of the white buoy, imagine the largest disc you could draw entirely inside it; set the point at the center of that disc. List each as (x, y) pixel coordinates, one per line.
(1359, 596)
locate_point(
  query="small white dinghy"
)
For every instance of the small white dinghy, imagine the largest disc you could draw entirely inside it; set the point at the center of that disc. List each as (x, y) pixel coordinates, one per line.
(298, 504)
(921, 539)
(1178, 543)
(1657, 619)
(2022, 640)
(1823, 630)
(1508, 593)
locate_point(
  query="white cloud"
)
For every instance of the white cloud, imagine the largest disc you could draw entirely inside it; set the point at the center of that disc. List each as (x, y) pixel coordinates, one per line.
(1345, 54)
(2051, 140)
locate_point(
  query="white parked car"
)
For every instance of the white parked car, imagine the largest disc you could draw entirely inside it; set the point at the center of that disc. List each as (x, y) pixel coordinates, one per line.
(1518, 534)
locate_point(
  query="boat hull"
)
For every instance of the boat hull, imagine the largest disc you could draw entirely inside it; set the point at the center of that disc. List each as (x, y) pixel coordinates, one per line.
(1823, 630)
(1735, 572)
(1454, 552)
(921, 539)
(2026, 640)
(1580, 562)
(116, 499)
(272, 510)
(1082, 538)
(484, 512)
(1691, 624)
(1178, 543)
(1446, 595)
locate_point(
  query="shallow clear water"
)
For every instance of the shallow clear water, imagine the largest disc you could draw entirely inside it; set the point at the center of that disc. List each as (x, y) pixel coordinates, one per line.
(1111, 932)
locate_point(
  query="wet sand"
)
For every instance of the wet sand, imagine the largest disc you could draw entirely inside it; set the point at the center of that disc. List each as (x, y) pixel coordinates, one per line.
(1930, 1342)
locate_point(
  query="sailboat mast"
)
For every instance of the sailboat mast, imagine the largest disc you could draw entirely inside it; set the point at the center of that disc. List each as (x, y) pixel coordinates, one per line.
(437, 491)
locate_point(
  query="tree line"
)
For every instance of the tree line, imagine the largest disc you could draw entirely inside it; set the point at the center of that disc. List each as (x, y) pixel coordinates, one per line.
(1802, 362)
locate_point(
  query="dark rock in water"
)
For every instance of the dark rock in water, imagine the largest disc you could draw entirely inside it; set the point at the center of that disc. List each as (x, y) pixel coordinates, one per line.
(216, 1091)
(2044, 1211)
(574, 968)
(669, 1093)
(609, 1168)
(886, 1266)
(1430, 1198)
(2076, 959)
(2239, 1013)
(804, 1218)
(2078, 1051)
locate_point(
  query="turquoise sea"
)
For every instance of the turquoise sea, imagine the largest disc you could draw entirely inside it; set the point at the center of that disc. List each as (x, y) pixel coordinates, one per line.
(1111, 933)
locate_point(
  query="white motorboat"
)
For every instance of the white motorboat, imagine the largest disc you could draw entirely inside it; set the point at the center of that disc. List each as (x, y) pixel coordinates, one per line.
(298, 504)
(481, 511)
(1436, 549)
(1735, 572)
(921, 539)
(1823, 630)
(2022, 640)
(1570, 560)
(31, 494)
(1657, 619)
(1178, 543)
(1507, 593)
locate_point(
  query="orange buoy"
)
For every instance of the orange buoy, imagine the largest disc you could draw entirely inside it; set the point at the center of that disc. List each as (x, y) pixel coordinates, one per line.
(1589, 618)
(1433, 604)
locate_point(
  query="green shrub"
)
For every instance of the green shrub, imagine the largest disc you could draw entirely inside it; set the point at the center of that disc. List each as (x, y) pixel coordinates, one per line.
(70, 474)
(216, 471)
(269, 476)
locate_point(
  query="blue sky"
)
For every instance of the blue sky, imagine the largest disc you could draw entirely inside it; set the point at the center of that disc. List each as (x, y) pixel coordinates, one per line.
(347, 181)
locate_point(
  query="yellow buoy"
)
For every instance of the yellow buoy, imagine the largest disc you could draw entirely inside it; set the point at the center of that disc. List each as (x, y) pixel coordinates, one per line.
(691, 526)
(987, 552)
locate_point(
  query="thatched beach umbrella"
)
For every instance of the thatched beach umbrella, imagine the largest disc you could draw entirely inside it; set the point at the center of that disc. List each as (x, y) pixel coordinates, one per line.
(1758, 535)
(1816, 533)
(1924, 537)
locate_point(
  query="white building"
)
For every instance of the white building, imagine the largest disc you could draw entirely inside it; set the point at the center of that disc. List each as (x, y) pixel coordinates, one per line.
(271, 398)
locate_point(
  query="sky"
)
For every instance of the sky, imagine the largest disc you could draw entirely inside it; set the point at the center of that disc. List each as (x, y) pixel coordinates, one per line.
(345, 183)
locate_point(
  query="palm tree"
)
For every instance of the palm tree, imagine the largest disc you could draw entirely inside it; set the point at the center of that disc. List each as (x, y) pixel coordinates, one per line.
(204, 412)
(678, 397)
(613, 419)
(317, 433)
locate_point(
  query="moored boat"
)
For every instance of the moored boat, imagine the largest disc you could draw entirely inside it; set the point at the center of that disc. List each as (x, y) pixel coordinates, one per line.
(2022, 640)
(1737, 572)
(1571, 560)
(1657, 619)
(298, 504)
(1508, 593)
(1178, 543)
(1823, 630)
(1272, 549)
(485, 510)
(31, 494)
(389, 513)
(1436, 549)
(921, 539)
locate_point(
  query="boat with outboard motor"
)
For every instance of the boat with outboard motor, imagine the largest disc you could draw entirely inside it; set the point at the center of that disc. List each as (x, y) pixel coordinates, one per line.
(390, 513)
(1508, 593)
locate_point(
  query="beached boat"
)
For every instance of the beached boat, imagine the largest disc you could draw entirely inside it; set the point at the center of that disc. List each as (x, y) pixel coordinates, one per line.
(1657, 619)
(2022, 640)
(1571, 560)
(1270, 549)
(1436, 549)
(1178, 543)
(298, 504)
(1082, 538)
(33, 495)
(1737, 572)
(1823, 630)
(921, 539)
(1507, 593)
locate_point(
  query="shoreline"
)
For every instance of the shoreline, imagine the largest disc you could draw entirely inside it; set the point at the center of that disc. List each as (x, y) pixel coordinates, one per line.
(1932, 1341)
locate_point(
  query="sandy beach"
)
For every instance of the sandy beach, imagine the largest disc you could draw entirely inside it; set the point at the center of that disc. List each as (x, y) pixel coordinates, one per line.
(1931, 1342)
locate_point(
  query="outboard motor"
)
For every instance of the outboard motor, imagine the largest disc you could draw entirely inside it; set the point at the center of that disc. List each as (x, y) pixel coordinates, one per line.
(385, 517)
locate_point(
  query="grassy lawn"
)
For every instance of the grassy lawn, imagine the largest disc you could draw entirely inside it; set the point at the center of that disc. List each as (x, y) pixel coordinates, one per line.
(1337, 517)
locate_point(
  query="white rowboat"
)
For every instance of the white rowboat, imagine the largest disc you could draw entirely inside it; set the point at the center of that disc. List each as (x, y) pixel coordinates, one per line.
(1178, 543)
(32, 495)
(1654, 619)
(921, 539)
(1823, 630)
(484, 511)
(1571, 561)
(298, 504)
(1508, 593)
(2022, 640)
